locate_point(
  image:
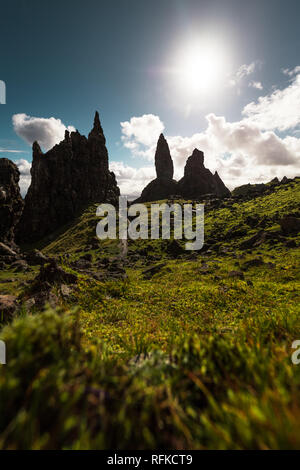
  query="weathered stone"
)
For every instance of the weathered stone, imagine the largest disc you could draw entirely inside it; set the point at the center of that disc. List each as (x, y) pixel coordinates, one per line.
(65, 180)
(290, 225)
(236, 275)
(198, 180)
(20, 266)
(149, 272)
(36, 258)
(11, 202)
(174, 248)
(51, 274)
(8, 306)
(163, 160)
(254, 241)
(7, 251)
(254, 262)
(164, 185)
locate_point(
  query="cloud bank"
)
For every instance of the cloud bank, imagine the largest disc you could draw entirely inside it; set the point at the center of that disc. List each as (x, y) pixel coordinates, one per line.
(47, 131)
(245, 151)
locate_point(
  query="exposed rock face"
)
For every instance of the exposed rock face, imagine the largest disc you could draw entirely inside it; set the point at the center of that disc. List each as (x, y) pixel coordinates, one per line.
(163, 160)
(66, 179)
(198, 180)
(164, 185)
(11, 202)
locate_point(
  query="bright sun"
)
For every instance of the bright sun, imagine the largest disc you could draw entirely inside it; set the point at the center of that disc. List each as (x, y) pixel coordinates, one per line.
(201, 67)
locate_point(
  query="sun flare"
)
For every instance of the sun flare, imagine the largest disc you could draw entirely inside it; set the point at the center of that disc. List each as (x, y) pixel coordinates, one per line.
(201, 67)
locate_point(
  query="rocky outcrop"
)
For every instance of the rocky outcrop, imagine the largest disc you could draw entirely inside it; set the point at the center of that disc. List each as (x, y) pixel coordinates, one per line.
(164, 185)
(251, 191)
(66, 179)
(198, 180)
(163, 160)
(11, 202)
(290, 225)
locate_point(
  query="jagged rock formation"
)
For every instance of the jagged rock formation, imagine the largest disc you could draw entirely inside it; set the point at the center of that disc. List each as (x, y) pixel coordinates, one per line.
(164, 185)
(66, 179)
(198, 180)
(11, 202)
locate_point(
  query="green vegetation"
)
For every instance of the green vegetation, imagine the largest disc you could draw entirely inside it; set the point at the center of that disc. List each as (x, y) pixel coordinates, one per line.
(194, 355)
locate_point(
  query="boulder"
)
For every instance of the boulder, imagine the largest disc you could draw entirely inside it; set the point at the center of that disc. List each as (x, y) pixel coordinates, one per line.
(51, 274)
(8, 307)
(174, 248)
(20, 266)
(7, 251)
(36, 258)
(290, 225)
(150, 272)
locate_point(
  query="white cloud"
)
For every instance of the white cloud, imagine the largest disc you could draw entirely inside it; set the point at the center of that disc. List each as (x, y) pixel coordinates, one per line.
(47, 131)
(244, 71)
(141, 132)
(25, 177)
(257, 85)
(132, 180)
(292, 72)
(279, 110)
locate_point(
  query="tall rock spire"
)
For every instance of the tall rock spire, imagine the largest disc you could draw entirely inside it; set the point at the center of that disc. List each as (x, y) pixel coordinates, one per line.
(97, 130)
(36, 150)
(163, 186)
(163, 160)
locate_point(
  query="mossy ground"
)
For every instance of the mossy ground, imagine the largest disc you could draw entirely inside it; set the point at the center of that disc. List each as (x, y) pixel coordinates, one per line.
(193, 358)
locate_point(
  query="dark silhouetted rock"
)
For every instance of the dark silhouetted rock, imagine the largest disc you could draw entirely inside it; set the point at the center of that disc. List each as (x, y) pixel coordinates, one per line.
(198, 180)
(163, 160)
(164, 185)
(65, 180)
(7, 251)
(174, 248)
(51, 274)
(11, 202)
(20, 266)
(254, 241)
(254, 262)
(236, 275)
(150, 272)
(36, 258)
(290, 225)
(8, 306)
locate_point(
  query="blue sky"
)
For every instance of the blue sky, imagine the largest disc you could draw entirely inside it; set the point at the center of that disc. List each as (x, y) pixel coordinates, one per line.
(65, 59)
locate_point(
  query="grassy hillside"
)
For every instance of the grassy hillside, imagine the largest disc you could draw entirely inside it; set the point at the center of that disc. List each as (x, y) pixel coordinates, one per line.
(161, 349)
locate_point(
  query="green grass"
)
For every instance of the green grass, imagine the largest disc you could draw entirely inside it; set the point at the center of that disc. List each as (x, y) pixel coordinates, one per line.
(189, 359)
